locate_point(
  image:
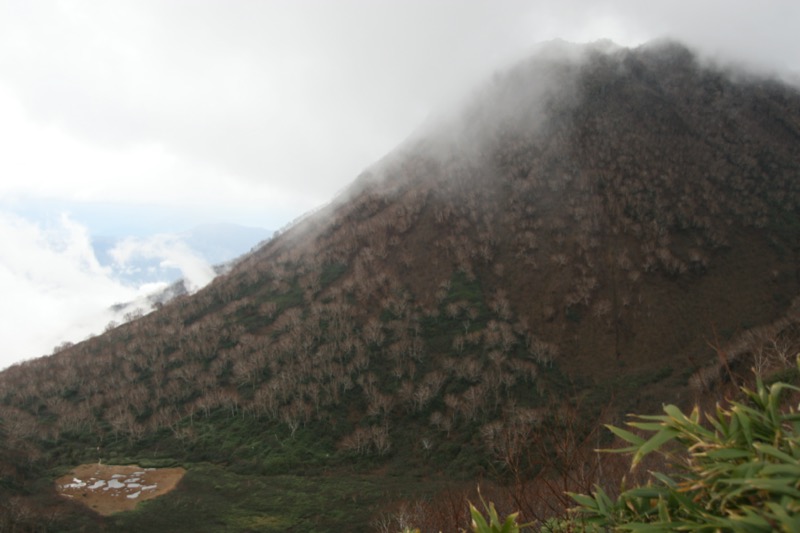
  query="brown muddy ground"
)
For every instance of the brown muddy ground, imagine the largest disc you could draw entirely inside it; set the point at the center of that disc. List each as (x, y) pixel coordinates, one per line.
(108, 489)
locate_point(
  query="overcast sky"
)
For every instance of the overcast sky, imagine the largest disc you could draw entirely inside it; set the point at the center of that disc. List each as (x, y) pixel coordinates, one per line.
(143, 117)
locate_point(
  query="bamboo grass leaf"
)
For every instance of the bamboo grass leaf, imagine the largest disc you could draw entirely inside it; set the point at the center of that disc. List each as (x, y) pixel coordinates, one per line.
(737, 469)
(744, 421)
(772, 451)
(654, 443)
(584, 501)
(648, 426)
(728, 454)
(625, 435)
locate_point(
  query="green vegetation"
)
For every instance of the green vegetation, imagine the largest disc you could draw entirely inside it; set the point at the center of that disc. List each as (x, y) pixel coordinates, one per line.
(331, 272)
(494, 524)
(738, 471)
(211, 498)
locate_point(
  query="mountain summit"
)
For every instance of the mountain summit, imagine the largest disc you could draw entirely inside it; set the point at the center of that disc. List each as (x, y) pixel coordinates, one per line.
(585, 226)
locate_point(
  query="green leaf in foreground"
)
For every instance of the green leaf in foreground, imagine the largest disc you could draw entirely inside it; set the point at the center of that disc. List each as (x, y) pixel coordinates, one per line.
(738, 472)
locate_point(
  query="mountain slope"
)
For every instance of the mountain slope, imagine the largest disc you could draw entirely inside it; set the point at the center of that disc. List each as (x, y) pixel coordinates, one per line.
(584, 227)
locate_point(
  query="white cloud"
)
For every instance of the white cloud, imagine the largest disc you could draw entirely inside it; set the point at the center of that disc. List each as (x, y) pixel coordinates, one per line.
(53, 288)
(46, 161)
(172, 251)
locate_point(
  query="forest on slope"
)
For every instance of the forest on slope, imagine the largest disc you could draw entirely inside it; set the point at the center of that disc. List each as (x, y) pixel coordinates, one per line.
(588, 233)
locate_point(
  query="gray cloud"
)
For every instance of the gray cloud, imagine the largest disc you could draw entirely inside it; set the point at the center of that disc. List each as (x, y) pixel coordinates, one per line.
(311, 92)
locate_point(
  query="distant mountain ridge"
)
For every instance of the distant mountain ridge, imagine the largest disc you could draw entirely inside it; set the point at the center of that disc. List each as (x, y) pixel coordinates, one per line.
(597, 226)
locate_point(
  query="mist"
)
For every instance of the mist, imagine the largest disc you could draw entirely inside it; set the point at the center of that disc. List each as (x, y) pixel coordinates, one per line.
(171, 251)
(286, 103)
(56, 291)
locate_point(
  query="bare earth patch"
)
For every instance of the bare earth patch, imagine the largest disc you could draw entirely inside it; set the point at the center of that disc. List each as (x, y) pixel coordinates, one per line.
(109, 489)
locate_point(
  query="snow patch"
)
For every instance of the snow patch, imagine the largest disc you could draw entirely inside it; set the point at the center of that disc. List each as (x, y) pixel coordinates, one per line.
(114, 484)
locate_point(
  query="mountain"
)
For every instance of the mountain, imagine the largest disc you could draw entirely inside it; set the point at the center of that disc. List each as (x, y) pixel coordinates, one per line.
(594, 230)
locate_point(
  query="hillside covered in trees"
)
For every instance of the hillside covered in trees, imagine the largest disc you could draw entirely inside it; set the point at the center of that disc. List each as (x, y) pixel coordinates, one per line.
(595, 230)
